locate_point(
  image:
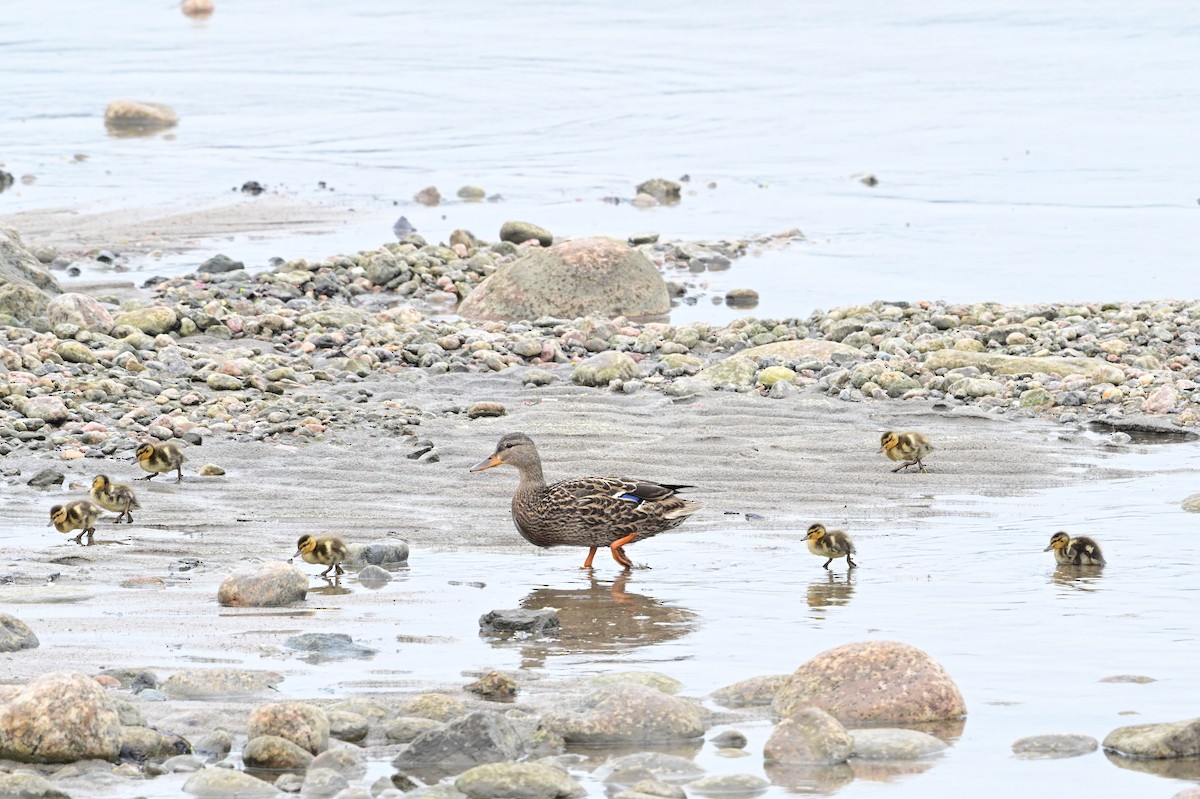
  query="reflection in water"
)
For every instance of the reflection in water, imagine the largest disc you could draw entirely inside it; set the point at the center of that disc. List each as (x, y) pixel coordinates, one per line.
(602, 618)
(1176, 768)
(829, 590)
(333, 587)
(1080, 578)
(888, 770)
(809, 779)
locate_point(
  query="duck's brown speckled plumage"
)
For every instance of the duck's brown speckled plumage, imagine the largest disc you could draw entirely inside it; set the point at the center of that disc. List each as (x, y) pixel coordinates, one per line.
(1077, 551)
(830, 544)
(909, 447)
(326, 550)
(163, 456)
(586, 511)
(116, 497)
(78, 514)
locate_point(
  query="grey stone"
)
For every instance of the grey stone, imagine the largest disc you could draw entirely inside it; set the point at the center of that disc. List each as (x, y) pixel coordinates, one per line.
(377, 553)
(151, 320)
(1097, 370)
(323, 783)
(729, 739)
(884, 743)
(350, 762)
(603, 368)
(728, 785)
(519, 620)
(628, 714)
(15, 635)
(517, 781)
(406, 728)
(144, 743)
(220, 263)
(640, 766)
(227, 782)
(1168, 740)
(521, 232)
(809, 736)
(666, 192)
(1036, 747)
(330, 646)
(349, 727)
(218, 683)
(28, 785)
(476, 738)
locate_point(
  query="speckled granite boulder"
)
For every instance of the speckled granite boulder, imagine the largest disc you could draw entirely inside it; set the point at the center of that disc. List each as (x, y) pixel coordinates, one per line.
(60, 717)
(632, 714)
(275, 753)
(585, 277)
(517, 781)
(873, 682)
(303, 724)
(264, 585)
(81, 310)
(1169, 740)
(752, 692)
(808, 736)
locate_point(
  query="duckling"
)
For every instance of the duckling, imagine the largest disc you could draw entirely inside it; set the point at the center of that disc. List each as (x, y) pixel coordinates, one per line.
(830, 544)
(1078, 551)
(78, 514)
(328, 549)
(590, 512)
(117, 497)
(909, 447)
(157, 458)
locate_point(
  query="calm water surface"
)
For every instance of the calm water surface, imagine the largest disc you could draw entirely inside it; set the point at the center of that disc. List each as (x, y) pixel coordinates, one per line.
(1027, 643)
(1025, 152)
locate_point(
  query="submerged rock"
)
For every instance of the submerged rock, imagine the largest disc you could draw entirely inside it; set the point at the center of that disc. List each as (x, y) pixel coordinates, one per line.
(218, 683)
(628, 714)
(519, 620)
(1169, 740)
(884, 743)
(809, 736)
(1054, 746)
(517, 781)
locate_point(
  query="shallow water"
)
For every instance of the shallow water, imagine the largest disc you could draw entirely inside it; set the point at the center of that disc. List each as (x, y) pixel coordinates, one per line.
(1024, 153)
(1027, 643)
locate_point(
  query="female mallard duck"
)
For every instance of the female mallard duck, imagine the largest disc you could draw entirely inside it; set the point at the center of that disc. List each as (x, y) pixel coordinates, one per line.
(78, 514)
(909, 447)
(157, 458)
(1078, 551)
(328, 550)
(116, 497)
(588, 512)
(830, 544)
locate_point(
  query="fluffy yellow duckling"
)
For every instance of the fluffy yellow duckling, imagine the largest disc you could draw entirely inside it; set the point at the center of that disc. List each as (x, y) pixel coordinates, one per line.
(328, 550)
(116, 497)
(909, 447)
(160, 457)
(78, 514)
(830, 544)
(1078, 551)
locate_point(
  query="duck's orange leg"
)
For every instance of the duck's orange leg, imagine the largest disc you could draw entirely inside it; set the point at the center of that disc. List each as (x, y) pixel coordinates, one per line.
(618, 552)
(587, 564)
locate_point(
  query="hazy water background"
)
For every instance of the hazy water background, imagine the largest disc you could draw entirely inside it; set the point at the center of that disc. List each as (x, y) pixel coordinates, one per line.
(1026, 152)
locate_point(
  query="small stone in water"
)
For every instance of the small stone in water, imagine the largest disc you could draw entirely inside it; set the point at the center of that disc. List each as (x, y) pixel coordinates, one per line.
(210, 470)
